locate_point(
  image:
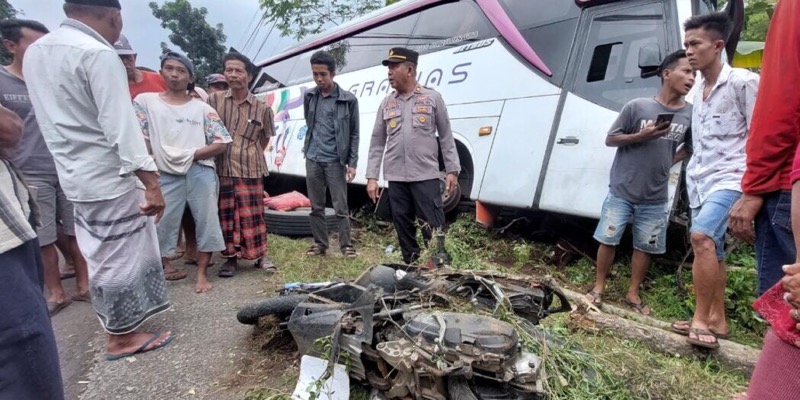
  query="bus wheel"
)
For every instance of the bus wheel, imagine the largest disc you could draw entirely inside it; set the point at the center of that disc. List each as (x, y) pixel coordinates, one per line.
(449, 203)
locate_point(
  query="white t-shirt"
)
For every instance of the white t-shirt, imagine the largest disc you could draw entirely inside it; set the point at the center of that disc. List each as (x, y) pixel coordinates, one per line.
(175, 132)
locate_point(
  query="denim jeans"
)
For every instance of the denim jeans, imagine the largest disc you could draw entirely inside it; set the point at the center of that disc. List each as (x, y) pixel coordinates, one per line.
(29, 367)
(774, 239)
(649, 224)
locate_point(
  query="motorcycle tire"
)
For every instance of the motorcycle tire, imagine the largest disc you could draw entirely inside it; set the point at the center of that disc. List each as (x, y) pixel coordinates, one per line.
(280, 306)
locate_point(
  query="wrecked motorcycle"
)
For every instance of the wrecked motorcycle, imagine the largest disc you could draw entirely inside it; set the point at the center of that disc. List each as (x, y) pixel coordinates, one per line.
(391, 327)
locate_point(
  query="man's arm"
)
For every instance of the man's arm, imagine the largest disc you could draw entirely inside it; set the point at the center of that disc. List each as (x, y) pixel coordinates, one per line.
(446, 140)
(117, 118)
(116, 115)
(217, 137)
(775, 126)
(377, 145)
(352, 159)
(10, 131)
(269, 127)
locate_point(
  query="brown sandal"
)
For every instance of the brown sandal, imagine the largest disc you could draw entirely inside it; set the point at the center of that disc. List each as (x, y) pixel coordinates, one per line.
(697, 342)
(683, 327)
(595, 298)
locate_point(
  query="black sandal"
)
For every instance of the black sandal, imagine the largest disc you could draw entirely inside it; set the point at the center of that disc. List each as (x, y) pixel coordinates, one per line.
(349, 252)
(315, 250)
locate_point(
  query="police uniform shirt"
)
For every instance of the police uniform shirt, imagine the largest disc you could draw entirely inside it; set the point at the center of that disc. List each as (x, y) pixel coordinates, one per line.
(406, 128)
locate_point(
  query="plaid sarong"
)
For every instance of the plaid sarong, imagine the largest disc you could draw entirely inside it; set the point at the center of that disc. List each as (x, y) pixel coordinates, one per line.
(241, 214)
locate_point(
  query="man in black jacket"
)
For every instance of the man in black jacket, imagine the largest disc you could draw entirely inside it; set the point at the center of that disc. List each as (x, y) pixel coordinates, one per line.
(331, 150)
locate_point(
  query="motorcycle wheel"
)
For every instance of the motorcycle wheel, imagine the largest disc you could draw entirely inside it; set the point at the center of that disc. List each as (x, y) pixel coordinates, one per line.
(280, 306)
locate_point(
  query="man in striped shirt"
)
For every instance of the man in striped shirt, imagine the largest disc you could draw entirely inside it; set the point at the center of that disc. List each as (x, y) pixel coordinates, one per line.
(242, 167)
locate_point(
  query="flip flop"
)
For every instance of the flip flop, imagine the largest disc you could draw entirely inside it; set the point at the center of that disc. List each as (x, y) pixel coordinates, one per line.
(174, 275)
(595, 298)
(67, 275)
(142, 349)
(54, 308)
(86, 297)
(697, 342)
(638, 307)
(266, 265)
(226, 272)
(685, 331)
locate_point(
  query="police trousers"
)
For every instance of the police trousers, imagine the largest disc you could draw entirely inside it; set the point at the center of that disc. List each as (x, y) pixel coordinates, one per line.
(410, 201)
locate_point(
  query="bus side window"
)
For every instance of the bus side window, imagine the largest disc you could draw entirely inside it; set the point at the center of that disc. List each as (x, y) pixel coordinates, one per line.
(608, 71)
(369, 48)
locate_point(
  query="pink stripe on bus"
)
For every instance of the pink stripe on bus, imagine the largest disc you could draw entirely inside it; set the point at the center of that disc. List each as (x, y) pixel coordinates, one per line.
(498, 17)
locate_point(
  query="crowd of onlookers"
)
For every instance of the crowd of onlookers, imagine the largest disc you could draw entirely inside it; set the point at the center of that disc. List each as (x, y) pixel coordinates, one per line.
(126, 170)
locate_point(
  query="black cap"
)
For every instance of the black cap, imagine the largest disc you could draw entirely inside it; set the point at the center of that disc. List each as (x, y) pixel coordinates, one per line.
(401, 54)
(98, 3)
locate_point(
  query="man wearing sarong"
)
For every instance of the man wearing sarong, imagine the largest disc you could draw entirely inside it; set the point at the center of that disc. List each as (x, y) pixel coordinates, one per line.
(243, 167)
(184, 135)
(79, 92)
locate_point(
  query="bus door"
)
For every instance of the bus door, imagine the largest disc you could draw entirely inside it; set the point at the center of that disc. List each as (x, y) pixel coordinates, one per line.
(604, 74)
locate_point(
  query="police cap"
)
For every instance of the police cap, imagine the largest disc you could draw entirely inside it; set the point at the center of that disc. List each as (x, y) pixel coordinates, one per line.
(401, 54)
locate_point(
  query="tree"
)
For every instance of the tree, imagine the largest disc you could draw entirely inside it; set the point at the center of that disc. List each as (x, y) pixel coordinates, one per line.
(300, 18)
(6, 11)
(202, 43)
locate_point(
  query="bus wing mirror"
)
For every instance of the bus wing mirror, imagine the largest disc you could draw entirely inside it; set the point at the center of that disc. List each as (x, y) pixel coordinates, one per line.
(649, 60)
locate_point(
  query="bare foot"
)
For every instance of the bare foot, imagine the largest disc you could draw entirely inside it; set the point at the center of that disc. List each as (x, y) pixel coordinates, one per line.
(202, 285)
(123, 344)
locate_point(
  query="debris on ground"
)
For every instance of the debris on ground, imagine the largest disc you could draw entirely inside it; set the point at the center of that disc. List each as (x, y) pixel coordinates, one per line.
(395, 330)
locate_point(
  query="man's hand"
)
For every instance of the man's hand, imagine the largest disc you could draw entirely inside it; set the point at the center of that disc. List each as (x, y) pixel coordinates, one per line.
(153, 203)
(651, 131)
(742, 215)
(351, 174)
(791, 284)
(372, 189)
(452, 184)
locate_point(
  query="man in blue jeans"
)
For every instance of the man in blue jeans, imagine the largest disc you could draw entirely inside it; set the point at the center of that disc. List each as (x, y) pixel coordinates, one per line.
(29, 366)
(646, 149)
(723, 103)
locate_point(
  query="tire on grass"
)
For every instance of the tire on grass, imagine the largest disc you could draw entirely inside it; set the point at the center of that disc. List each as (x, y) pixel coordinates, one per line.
(280, 306)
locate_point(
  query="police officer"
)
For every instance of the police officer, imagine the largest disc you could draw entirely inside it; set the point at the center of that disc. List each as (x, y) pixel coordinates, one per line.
(405, 127)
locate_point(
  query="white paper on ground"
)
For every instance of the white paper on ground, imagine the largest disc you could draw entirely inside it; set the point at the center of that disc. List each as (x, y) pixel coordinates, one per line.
(336, 387)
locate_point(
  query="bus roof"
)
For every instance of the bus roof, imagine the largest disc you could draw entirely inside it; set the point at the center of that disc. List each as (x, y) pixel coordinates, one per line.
(352, 27)
(492, 9)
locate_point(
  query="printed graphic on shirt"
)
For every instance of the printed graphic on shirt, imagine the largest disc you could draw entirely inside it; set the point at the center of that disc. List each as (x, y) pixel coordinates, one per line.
(676, 132)
(215, 129)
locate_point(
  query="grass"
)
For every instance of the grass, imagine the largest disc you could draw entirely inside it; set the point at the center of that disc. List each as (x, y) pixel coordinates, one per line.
(590, 365)
(669, 302)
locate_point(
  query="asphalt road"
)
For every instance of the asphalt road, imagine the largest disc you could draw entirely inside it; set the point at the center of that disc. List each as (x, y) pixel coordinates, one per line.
(208, 346)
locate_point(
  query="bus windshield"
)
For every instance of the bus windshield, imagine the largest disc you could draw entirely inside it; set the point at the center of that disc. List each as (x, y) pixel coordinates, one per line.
(548, 27)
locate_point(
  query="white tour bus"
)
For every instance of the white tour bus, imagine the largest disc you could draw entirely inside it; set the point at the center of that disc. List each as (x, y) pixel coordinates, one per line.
(531, 87)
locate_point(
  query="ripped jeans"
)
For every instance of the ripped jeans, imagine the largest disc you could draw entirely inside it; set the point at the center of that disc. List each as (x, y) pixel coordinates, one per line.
(649, 224)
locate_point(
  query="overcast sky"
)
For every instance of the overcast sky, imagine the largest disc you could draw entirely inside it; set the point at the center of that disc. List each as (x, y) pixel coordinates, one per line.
(145, 33)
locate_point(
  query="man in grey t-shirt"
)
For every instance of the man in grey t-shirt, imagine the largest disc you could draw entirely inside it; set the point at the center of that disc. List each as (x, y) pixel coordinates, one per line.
(640, 175)
(34, 160)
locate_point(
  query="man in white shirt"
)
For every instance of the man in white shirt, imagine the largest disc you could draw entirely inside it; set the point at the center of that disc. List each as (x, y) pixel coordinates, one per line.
(184, 135)
(79, 91)
(723, 101)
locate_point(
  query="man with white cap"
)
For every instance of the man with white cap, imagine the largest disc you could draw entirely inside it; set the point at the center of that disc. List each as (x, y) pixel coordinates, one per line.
(138, 81)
